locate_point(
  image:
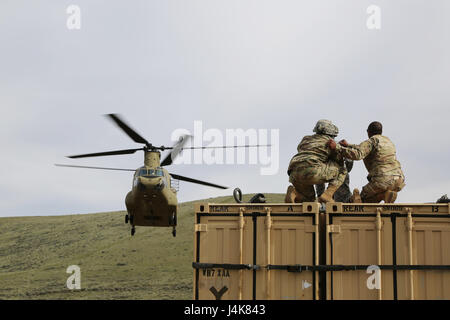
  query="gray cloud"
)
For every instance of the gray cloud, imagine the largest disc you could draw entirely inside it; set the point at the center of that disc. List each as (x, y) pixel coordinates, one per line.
(231, 64)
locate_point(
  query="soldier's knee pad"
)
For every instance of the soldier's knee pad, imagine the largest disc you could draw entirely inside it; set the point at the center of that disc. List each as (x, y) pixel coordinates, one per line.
(390, 196)
(290, 195)
(367, 197)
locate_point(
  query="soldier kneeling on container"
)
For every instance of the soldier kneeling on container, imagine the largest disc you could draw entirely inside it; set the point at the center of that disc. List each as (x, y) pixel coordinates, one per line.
(385, 173)
(315, 163)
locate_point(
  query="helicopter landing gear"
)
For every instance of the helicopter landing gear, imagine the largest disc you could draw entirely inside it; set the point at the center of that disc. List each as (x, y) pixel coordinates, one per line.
(173, 220)
(133, 231)
(173, 223)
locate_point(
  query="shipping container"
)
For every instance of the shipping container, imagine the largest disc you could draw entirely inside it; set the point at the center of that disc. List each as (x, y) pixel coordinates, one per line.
(409, 243)
(310, 251)
(252, 251)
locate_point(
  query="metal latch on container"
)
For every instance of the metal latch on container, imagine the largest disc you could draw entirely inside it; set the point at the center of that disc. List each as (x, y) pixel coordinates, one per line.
(200, 227)
(322, 208)
(294, 268)
(228, 266)
(334, 228)
(288, 268)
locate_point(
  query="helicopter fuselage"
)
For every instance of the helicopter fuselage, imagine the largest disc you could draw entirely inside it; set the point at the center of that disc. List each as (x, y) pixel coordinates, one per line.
(152, 201)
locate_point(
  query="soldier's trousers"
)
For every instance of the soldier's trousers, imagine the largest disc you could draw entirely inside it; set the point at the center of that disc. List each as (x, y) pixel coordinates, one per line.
(305, 177)
(374, 191)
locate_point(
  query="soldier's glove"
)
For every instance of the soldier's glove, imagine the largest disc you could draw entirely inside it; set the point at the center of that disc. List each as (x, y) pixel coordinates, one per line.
(332, 144)
(343, 143)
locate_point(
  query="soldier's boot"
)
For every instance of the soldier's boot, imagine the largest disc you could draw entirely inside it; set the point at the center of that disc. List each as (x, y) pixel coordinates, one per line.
(292, 196)
(356, 197)
(390, 196)
(327, 196)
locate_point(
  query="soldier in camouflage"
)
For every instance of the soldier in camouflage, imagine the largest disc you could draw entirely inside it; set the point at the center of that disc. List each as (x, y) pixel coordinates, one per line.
(378, 152)
(343, 193)
(315, 163)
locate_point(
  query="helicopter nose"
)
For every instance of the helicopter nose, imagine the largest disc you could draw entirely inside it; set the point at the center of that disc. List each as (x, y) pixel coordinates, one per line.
(160, 185)
(141, 186)
(150, 185)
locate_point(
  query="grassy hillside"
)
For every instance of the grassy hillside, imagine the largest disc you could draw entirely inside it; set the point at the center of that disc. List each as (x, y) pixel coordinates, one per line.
(36, 251)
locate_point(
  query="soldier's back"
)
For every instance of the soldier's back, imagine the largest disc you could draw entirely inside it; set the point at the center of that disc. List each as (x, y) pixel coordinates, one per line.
(382, 160)
(312, 150)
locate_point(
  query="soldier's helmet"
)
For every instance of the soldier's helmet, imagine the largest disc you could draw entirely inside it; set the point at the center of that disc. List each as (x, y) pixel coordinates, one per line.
(326, 127)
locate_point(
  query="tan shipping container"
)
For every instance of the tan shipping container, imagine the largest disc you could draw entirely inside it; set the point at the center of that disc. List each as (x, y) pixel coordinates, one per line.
(308, 252)
(409, 243)
(253, 251)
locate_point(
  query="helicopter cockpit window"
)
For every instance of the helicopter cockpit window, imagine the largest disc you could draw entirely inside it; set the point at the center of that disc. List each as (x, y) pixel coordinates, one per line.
(151, 173)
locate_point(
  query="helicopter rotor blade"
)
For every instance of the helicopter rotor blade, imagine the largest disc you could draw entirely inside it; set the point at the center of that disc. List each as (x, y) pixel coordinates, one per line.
(86, 167)
(175, 150)
(225, 147)
(182, 178)
(107, 153)
(127, 129)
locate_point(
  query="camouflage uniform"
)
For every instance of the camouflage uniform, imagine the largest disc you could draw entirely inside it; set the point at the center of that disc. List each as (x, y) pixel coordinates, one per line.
(343, 194)
(385, 172)
(315, 163)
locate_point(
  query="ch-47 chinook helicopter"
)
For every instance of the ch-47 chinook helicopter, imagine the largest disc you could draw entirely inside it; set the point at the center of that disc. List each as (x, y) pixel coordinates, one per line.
(152, 200)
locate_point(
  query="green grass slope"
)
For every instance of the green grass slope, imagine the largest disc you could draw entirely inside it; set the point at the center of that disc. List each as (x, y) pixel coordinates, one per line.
(36, 251)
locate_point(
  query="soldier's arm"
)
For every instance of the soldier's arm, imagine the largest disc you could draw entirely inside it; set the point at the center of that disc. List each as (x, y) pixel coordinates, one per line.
(336, 156)
(356, 152)
(298, 147)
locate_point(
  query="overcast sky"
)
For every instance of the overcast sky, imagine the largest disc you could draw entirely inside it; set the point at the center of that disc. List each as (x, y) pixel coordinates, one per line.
(259, 64)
